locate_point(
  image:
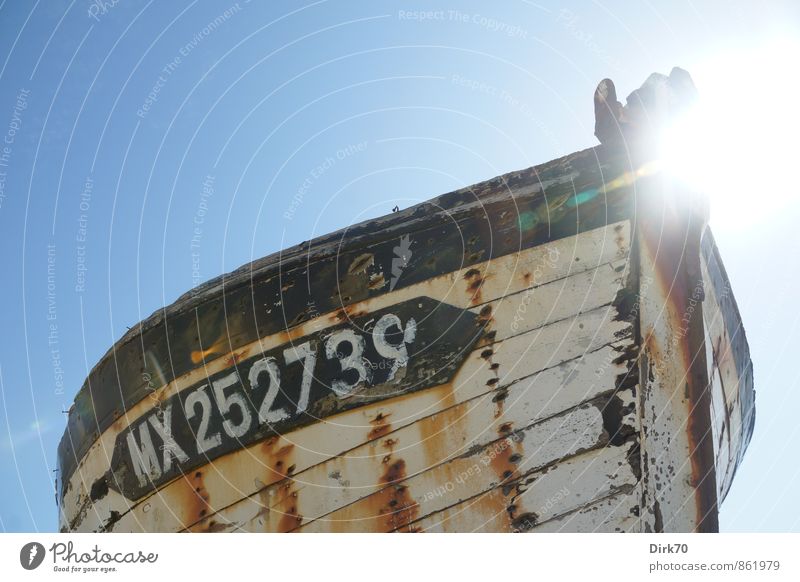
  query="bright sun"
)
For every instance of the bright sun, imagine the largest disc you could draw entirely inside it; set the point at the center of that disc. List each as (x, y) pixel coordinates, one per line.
(739, 145)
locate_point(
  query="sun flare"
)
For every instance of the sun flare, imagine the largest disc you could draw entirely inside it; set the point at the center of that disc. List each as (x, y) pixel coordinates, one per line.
(739, 144)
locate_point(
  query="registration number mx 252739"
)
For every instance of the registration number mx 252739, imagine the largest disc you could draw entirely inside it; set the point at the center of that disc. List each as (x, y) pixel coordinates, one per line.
(407, 347)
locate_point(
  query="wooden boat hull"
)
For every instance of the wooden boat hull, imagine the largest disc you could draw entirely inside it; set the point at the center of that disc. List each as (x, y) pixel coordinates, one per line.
(556, 349)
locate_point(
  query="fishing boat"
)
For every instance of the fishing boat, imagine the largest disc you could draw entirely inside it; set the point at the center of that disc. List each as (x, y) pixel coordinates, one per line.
(556, 349)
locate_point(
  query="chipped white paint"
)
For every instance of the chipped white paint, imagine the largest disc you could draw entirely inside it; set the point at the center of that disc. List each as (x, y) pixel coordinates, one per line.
(679, 488)
(541, 496)
(615, 513)
(443, 446)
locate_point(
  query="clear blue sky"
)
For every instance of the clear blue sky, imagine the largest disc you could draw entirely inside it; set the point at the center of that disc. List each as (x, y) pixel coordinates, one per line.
(106, 183)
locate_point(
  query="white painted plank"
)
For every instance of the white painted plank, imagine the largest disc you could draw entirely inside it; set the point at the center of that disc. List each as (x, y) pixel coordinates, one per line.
(543, 443)
(539, 496)
(536, 398)
(617, 513)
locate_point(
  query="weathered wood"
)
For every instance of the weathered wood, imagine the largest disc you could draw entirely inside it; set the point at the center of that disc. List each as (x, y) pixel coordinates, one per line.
(733, 403)
(237, 475)
(616, 513)
(679, 473)
(390, 501)
(512, 469)
(448, 444)
(527, 271)
(539, 496)
(542, 302)
(410, 346)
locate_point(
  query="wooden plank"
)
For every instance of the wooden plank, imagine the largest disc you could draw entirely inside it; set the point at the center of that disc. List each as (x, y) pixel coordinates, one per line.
(720, 340)
(394, 504)
(470, 499)
(722, 437)
(725, 386)
(539, 496)
(616, 513)
(731, 356)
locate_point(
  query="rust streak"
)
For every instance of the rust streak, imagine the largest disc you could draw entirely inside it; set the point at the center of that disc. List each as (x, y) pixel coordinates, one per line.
(219, 346)
(474, 285)
(197, 498)
(287, 508)
(380, 427)
(673, 243)
(397, 508)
